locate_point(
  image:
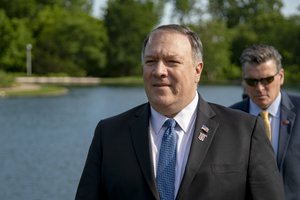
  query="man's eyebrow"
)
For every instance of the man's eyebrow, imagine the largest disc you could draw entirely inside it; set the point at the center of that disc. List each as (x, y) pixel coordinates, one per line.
(150, 56)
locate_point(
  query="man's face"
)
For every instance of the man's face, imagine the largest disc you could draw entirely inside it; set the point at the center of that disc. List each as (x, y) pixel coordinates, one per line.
(263, 94)
(170, 73)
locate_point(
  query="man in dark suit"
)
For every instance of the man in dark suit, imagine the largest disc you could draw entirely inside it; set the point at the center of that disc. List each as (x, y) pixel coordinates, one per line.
(263, 77)
(178, 146)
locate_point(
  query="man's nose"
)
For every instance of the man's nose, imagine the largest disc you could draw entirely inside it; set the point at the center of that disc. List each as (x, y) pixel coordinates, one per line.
(259, 86)
(160, 69)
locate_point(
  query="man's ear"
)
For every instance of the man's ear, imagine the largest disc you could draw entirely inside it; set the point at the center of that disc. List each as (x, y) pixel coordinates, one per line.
(281, 74)
(198, 71)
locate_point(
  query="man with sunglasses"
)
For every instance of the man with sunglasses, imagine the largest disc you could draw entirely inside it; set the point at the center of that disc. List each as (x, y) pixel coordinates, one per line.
(263, 77)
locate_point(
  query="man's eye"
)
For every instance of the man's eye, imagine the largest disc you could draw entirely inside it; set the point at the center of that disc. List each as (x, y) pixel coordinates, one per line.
(149, 61)
(174, 61)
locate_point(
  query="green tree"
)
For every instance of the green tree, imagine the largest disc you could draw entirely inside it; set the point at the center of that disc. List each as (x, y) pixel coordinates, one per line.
(6, 32)
(216, 39)
(128, 22)
(18, 8)
(187, 10)
(234, 12)
(288, 43)
(243, 36)
(29, 8)
(265, 25)
(14, 35)
(69, 42)
(290, 40)
(73, 5)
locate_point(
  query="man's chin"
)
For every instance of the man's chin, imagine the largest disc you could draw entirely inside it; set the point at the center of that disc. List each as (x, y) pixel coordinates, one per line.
(263, 104)
(261, 98)
(161, 102)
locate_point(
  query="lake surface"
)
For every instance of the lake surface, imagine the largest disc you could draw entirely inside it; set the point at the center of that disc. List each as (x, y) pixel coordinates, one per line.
(44, 140)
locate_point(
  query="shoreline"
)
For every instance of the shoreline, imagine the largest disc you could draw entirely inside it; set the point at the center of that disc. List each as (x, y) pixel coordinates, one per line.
(29, 89)
(42, 85)
(58, 80)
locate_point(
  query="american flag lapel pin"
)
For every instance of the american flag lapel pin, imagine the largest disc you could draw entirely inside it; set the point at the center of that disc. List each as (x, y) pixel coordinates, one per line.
(203, 133)
(205, 129)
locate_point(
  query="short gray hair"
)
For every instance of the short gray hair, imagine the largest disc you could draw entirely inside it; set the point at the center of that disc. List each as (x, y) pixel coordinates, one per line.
(260, 53)
(194, 39)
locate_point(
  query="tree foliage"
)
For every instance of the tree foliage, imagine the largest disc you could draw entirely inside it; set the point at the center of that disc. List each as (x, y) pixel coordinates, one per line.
(234, 12)
(67, 39)
(28, 9)
(70, 42)
(14, 35)
(216, 40)
(18, 9)
(185, 10)
(128, 22)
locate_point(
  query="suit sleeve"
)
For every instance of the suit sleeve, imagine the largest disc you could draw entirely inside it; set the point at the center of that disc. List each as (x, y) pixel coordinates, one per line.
(89, 187)
(264, 179)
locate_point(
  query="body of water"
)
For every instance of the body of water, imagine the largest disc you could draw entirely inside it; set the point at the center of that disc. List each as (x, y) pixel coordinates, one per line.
(44, 140)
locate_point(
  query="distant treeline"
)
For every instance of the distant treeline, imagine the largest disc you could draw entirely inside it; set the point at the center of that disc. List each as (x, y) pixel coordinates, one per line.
(66, 39)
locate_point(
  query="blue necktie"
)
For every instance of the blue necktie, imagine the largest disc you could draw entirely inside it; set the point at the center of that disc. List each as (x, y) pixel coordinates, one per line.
(165, 176)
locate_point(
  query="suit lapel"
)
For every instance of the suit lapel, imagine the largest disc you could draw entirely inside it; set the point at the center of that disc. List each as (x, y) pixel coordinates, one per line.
(199, 146)
(141, 143)
(286, 124)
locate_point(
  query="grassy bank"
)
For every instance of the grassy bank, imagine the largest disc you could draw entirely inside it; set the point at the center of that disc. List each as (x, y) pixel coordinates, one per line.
(32, 90)
(12, 86)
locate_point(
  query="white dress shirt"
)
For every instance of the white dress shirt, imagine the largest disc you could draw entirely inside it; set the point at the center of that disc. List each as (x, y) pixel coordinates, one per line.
(184, 129)
(274, 117)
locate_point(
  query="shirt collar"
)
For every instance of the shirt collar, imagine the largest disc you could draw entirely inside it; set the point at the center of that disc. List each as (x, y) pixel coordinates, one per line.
(273, 109)
(183, 118)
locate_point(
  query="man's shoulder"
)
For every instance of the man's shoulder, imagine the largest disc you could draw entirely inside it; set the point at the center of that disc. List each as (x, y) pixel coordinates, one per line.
(237, 105)
(128, 114)
(295, 98)
(241, 105)
(231, 112)
(290, 100)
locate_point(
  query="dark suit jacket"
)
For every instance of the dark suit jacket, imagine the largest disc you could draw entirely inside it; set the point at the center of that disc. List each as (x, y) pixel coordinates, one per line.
(235, 161)
(288, 157)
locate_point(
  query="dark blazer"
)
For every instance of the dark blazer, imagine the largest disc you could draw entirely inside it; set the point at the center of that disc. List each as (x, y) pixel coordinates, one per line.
(235, 161)
(288, 157)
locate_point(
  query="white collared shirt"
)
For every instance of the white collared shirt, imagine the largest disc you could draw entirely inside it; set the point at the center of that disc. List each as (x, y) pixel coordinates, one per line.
(184, 129)
(274, 117)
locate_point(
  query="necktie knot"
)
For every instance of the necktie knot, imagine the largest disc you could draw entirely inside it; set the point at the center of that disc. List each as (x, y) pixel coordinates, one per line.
(264, 114)
(170, 123)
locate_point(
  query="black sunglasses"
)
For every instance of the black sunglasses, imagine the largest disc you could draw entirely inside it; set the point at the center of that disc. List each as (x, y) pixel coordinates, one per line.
(264, 81)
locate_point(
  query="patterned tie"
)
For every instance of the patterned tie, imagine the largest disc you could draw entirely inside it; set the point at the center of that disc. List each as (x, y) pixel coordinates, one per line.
(265, 116)
(165, 177)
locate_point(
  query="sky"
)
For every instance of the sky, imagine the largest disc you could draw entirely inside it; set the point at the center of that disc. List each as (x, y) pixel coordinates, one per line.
(290, 7)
